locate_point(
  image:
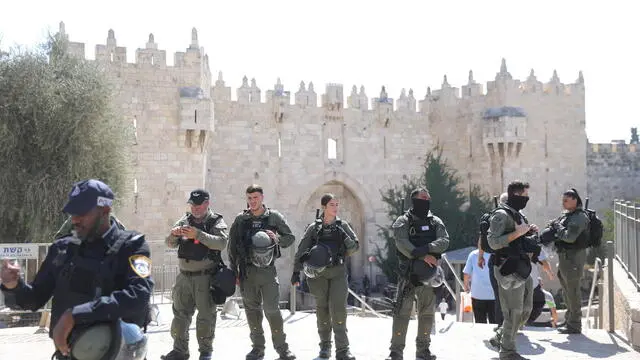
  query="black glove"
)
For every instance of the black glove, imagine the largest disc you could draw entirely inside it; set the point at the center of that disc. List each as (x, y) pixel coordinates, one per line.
(295, 278)
(420, 252)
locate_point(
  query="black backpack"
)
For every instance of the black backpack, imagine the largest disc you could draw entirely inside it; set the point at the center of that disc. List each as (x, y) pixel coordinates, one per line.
(485, 224)
(596, 228)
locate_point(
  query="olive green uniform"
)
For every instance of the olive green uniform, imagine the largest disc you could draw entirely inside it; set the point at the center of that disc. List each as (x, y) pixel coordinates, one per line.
(424, 296)
(330, 288)
(516, 304)
(260, 286)
(572, 255)
(67, 226)
(191, 290)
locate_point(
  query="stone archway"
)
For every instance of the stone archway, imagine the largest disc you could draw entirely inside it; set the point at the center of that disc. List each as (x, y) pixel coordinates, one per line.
(351, 210)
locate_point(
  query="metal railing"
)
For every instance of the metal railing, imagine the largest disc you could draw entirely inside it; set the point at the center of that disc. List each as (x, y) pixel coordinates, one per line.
(626, 215)
(597, 267)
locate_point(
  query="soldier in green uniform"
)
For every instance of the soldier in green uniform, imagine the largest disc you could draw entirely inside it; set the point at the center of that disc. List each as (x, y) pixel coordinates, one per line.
(513, 239)
(571, 244)
(321, 253)
(67, 226)
(420, 239)
(255, 239)
(200, 236)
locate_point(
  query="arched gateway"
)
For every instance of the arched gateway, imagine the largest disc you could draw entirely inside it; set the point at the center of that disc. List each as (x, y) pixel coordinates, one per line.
(354, 207)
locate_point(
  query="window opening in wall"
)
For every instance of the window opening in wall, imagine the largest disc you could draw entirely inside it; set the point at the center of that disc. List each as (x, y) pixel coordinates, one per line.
(135, 130)
(152, 60)
(332, 149)
(279, 147)
(135, 195)
(111, 57)
(384, 147)
(195, 116)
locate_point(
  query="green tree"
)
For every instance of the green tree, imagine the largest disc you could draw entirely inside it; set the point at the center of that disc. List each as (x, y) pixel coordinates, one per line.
(58, 125)
(634, 135)
(460, 211)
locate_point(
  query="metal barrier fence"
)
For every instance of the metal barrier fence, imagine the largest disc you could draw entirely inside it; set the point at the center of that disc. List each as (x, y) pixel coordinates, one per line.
(627, 229)
(29, 257)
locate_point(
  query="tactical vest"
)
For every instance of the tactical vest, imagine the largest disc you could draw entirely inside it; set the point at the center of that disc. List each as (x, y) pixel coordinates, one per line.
(333, 237)
(514, 258)
(252, 225)
(189, 250)
(581, 241)
(83, 279)
(515, 247)
(421, 232)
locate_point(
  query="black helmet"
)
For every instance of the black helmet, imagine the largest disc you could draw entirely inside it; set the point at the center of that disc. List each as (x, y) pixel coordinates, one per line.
(547, 236)
(317, 259)
(223, 284)
(100, 341)
(262, 249)
(426, 274)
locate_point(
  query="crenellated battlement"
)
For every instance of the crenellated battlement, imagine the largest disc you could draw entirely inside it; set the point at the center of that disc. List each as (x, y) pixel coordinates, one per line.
(502, 91)
(503, 86)
(612, 148)
(149, 56)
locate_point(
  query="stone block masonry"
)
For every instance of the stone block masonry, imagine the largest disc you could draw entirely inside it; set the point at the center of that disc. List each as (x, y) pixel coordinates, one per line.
(191, 133)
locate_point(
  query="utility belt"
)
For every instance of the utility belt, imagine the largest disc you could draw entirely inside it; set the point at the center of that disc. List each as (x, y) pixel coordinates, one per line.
(198, 273)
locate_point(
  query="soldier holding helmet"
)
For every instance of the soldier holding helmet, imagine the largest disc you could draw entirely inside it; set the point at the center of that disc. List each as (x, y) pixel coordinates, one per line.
(321, 255)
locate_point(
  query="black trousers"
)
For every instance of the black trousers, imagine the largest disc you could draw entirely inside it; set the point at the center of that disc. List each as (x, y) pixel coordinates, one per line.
(538, 304)
(484, 310)
(494, 284)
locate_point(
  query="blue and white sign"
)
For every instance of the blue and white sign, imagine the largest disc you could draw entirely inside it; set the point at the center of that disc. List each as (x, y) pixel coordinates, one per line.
(19, 251)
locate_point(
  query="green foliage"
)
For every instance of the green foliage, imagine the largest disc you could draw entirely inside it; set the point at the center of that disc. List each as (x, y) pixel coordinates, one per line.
(459, 211)
(57, 126)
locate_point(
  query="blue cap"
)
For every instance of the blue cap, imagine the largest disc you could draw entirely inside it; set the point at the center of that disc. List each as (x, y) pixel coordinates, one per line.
(86, 195)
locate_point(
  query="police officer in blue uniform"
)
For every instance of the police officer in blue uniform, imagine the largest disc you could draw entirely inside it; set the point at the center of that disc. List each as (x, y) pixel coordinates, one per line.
(100, 274)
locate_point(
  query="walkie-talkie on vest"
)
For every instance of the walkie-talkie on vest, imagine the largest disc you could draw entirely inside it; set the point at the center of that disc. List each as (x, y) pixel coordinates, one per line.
(317, 213)
(495, 201)
(586, 203)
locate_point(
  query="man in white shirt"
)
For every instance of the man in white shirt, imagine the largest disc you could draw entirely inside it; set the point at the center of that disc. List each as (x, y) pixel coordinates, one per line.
(478, 283)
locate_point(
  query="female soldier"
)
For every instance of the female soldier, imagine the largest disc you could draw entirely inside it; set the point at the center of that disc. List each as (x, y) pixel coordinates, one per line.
(571, 243)
(321, 255)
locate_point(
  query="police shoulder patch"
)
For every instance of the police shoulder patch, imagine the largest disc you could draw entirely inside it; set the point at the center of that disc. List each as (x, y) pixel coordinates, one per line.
(141, 265)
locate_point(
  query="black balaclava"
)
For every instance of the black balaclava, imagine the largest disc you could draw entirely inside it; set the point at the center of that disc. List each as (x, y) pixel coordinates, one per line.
(518, 202)
(420, 207)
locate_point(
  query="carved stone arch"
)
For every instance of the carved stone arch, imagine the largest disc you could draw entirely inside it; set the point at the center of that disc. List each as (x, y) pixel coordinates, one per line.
(355, 207)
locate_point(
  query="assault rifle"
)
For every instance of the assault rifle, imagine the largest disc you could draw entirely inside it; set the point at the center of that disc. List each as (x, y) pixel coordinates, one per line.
(404, 272)
(241, 250)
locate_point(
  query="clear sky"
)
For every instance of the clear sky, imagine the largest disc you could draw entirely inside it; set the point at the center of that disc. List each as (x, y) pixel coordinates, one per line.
(399, 44)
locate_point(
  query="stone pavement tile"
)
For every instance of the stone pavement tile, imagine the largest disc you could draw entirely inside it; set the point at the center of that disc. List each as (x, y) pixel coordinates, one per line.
(369, 341)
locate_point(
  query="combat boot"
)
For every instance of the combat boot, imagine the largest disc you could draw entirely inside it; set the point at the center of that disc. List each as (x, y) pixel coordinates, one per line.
(255, 354)
(426, 356)
(394, 356)
(205, 356)
(324, 353)
(175, 355)
(345, 355)
(286, 355)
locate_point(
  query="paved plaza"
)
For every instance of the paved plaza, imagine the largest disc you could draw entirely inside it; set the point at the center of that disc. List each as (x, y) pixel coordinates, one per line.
(369, 338)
